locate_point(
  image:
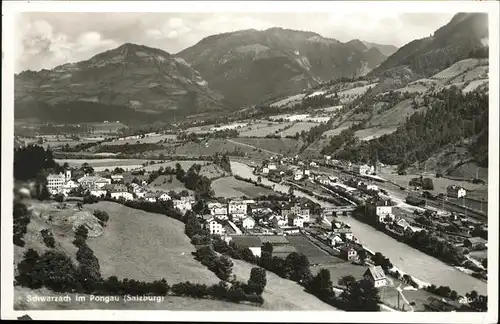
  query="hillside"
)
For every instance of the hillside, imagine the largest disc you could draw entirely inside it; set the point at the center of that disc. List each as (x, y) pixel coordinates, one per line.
(143, 246)
(126, 83)
(465, 36)
(250, 66)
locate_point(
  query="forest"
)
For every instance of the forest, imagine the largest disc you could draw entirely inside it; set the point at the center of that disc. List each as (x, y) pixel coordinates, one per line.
(452, 117)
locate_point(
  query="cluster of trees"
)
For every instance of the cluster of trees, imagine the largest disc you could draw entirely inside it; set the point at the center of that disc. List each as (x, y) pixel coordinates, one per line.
(89, 269)
(424, 183)
(223, 161)
(379, 259)
(429, 244)
(102, 216)
(309, 103)
(79, 147)
(314, 133)
(128, 148)
(359, 295)
(21, 220)
(32, 161)
(48, 238)
(193, 180)
(443, 291)
(346, 137)
(221, 266)
(452, 117)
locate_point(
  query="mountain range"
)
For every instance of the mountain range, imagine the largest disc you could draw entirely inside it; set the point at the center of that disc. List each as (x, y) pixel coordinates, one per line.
(225, 72)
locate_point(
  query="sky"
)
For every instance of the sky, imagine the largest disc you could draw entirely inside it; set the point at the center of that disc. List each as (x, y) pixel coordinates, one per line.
(45, 40)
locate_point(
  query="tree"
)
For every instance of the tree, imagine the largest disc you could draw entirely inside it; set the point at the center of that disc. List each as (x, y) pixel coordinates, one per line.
(360, 296)
(82, 231)
(267, 247)
(101, 215)
(362, 255)
(297, 267)
(44, 193)
(59, 198)
(257, 281)
(381, 260)
(321, 285)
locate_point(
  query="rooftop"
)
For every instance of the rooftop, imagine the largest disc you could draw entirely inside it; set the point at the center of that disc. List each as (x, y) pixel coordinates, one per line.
(376, 272)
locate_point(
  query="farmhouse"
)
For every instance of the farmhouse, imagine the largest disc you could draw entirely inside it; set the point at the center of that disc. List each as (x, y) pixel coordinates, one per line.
(162, 196)
(251, 242)
(296, 209)
(475, 243)
(376, 275)
(334, 239)
(455, 191)
(215, 226)
(183, 204)
(248, 223)
(348, 252)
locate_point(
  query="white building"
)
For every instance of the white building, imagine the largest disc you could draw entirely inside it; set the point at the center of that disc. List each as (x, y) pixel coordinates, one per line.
(298, 175)
(97, 192)
(163, 196)
(334, 239)
(183, 205)
(218, 210)
(361, 169)
(272, 166)
(379, 208)
(140, 193)
(93, 181)
(237, 208)
(376, 275)
(295, 220)
(215, 227)
(116, 178)
(249, 223)
(150, 197)
(55, 182)
(265, 170)
(456, 191)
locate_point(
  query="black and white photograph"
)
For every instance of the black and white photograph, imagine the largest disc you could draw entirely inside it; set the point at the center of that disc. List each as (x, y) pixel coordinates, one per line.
(250, 160)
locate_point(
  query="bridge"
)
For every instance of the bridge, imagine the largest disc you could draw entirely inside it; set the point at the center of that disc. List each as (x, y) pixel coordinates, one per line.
(338, 210)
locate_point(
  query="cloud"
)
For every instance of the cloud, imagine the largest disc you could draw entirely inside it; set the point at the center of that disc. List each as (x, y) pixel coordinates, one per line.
(45, 40)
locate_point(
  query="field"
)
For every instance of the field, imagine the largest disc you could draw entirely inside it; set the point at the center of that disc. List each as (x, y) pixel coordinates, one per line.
(146, 246)
(229, 187)
(313, 253)
(288, 100)
(374, 132)
(440, 184)
(109, 163)
(473, 85)
(281, 294)
(162, 183)
(208, 169)
(277, 145)
(213, 146)
(262, 130)
(298, 127)
(145, 140)
(396, 115)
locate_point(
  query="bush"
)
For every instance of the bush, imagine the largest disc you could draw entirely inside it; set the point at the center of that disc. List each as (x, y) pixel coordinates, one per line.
(48, 238)
(59, 198)
(102, 216)
(90, 199)
(257, 281)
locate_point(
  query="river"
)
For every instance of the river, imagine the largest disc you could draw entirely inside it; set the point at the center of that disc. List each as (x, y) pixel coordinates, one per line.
(404, 257)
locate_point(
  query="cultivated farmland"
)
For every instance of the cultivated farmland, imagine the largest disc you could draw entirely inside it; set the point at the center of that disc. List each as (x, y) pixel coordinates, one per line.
(229, 187)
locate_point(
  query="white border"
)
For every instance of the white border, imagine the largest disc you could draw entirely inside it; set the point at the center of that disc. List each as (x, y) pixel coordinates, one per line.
(10, 8)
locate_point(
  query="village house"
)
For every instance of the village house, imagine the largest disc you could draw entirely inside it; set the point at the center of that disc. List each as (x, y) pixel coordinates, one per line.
(334, 239)
(455, 191)
(218, 210)
(475, 243)
(298, 175)
(117, 178)
(376, 275)
(140, 194)
(68, 186)
(119, 191)
(348, 253)
(97, 192)
(295, 220)
(363, 169)
(162, 196)
(248, 223)
(215, 226)
(379, 208)
(296, 209)
(272, 166)
(93, 181)
(251, 242)
(238, 208)
(265, 170)
(150, 197)
(183, 204)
